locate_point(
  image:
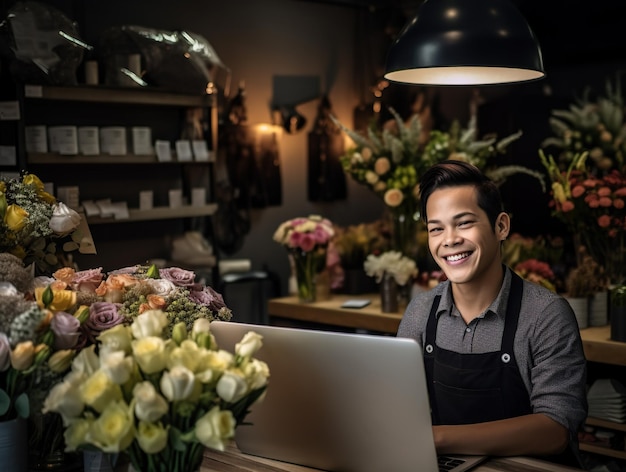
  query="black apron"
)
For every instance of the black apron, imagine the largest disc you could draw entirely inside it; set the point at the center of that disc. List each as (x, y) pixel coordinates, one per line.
(474, 388)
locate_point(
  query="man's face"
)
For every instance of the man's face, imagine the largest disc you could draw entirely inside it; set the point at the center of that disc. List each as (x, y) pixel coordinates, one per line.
(460, 237)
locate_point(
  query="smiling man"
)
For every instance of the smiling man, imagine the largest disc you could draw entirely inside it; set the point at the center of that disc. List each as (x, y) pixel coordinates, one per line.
(503, 356)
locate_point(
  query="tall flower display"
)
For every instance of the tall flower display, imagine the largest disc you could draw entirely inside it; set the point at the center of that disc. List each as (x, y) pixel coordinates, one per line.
(306, 240)
(391, 163)
(589, 174)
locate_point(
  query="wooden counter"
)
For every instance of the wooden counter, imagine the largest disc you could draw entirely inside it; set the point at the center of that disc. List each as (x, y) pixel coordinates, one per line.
(232, 460)
(328, 313)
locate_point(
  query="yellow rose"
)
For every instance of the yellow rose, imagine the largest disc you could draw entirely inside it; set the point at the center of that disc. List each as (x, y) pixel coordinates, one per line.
(62, 300)
(114, 430)
(15, 217)
(152, 437)
(98, 391)
(31, 179)
(23, 355)
(150, 353)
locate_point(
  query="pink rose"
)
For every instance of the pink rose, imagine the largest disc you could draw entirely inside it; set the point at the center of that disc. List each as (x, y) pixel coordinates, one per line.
(208, 297)
(103, 315)
(88, 280)
(180, 277)
(66, 330)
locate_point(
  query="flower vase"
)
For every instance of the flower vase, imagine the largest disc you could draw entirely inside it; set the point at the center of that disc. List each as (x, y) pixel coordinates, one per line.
(46, 444)
(388, 294)
(173, 460)
(580, 306)
(599, 309)
(307, 266)
(98, 461)
(14, 445)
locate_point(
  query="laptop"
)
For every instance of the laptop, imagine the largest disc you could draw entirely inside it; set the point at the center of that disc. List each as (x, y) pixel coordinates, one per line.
(340, 402)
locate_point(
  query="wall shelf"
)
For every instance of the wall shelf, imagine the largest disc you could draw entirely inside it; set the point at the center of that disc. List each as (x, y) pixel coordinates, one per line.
(103, 94)
(56, 159)
(157, 213)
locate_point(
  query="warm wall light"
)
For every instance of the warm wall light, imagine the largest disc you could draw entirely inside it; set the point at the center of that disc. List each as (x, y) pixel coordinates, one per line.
(465, 42)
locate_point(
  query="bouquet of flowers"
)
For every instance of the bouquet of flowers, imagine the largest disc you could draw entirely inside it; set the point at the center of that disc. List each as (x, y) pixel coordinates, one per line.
(307, 241)
(37, 228)
(355, 242)
(593, 209)
(536, 271)
(393, 263)
(159, 399)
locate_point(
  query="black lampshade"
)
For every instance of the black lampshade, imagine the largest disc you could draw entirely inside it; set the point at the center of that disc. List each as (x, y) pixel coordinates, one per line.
(465, 42)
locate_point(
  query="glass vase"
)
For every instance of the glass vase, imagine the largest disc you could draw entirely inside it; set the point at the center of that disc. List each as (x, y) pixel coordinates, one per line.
(307, 266)
(404, 228)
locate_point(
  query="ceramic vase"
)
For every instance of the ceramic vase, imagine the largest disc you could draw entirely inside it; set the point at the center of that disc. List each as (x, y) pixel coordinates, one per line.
(580, 306)
(599, 309)
(14, 445)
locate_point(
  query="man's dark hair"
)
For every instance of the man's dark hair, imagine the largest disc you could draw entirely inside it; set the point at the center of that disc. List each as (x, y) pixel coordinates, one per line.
(452, 173)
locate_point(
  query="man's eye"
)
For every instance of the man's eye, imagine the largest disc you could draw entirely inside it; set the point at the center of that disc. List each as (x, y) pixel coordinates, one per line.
(434, 230)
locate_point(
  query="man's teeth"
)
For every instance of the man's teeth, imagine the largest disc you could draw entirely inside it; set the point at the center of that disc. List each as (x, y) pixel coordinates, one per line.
(457, 257)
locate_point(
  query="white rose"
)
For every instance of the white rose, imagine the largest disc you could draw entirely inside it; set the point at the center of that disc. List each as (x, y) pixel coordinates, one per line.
(152, 438)
(64, 220)
(232, 386)
(250, 343)
(149, 405)
(149, 323)
(178, 383)
(162, 287)
(215, 428)
(86, 362)
(257, 372)
(187, 355)
(117, 338)
(117, 366)
(64, 398)
(201, 325)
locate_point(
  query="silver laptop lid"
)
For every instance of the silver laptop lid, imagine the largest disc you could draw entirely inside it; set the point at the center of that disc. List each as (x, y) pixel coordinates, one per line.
(337, 401)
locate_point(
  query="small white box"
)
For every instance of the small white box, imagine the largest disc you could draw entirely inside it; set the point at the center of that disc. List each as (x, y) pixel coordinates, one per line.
(176, 198)
(146, 200)
(36, 138)
(198, 196)
(142, 140)
(88, 140)
(63, 139)
(113, 140)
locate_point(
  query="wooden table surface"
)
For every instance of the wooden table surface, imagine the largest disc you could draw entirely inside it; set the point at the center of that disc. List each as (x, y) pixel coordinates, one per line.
(232, 460)
(282, 311)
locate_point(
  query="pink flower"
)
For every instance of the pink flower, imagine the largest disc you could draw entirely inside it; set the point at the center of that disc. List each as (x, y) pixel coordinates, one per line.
(66, 329)
(178, 276)
(88, 280)
(577, 191)
(605, 202)
(103, 315)
(567, 206)
(208, 297)
(604, 221)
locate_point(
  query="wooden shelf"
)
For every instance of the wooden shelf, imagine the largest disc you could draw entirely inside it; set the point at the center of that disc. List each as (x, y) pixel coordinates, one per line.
(605, 451)
(591, 421)
(158, 213)
(103, 94)
(58, 159)
(599, 347)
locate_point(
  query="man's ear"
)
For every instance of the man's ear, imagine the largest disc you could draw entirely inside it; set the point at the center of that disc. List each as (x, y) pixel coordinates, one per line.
(503, 226)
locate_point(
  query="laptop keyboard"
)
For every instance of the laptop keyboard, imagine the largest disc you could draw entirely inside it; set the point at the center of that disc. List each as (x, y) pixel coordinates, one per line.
(448, 463)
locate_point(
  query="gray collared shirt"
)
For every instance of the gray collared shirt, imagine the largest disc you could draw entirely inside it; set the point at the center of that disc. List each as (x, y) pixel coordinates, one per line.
(547, 347)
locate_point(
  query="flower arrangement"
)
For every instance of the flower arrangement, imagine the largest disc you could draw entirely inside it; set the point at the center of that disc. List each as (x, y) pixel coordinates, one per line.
(53, 318)
(586, 279)
(593, 125)
(307, 240)
(538, 272)
(159, 399)
(37, 228)
(393, 263)
(593, 209)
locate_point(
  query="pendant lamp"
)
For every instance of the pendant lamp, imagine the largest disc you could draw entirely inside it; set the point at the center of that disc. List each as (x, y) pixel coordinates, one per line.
(465, 42)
